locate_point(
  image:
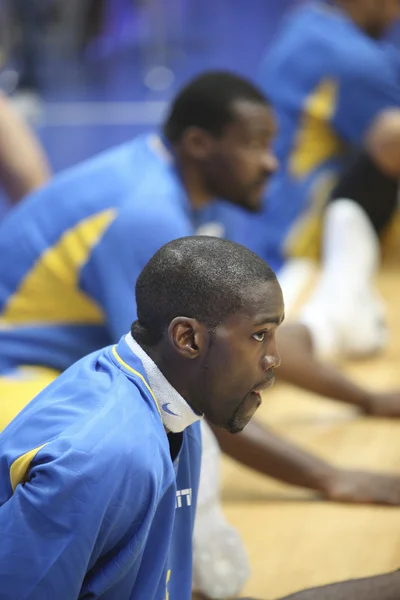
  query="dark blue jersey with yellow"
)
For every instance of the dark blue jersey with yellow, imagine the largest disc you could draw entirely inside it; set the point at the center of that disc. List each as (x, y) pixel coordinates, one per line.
(91, 504)
(327, 81)
(70, 254)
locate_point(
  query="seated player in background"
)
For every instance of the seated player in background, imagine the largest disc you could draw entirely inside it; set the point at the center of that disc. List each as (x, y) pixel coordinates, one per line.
(335, 88)
(99, 473)
(77, 247)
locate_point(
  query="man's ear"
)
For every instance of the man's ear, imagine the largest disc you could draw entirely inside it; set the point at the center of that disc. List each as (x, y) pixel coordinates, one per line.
(188, 337)
(197, 143)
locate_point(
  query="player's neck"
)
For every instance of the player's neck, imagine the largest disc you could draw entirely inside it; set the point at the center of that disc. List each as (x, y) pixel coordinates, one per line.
(193, 182)
(173, 372)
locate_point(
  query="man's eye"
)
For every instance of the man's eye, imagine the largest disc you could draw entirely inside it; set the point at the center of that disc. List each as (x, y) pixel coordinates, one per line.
(259, 337)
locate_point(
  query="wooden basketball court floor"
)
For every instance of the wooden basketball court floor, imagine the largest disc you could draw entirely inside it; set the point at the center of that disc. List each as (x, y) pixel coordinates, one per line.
(294, 539)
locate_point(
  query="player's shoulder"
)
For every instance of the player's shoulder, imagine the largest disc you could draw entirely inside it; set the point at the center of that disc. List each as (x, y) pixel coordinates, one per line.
(317, 27)
(106, 175)
(92, 422)
(355, 55)
(117, 434)
(93, 403)
(157, 186)
(122, 411)
(153, 209)
(127, 423)
(95, 185)
(126, 439)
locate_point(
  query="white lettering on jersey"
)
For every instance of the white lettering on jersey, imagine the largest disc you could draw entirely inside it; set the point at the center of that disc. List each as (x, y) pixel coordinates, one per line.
(180, 495)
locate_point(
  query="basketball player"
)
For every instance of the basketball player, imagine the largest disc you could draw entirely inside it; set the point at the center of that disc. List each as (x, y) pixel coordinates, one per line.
(77, 246)
(335, 88)
(99, 473)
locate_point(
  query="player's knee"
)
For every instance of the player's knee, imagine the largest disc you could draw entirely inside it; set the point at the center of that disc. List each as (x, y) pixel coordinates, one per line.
(383, 141)
(366, 184)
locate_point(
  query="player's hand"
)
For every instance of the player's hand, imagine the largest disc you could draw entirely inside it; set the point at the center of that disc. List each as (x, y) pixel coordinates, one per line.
(383, 405)
(364, 487)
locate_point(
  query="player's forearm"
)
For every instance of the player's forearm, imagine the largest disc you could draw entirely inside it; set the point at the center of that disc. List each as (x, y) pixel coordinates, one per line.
(301, 368)
(382, 587)
(263, 451)
(23, 165)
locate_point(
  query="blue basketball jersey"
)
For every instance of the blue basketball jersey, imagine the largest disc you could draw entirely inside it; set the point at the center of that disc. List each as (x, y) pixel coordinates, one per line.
(91, 504)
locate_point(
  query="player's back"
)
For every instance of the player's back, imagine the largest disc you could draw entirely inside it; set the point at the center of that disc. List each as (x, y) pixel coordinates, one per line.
(52, 310)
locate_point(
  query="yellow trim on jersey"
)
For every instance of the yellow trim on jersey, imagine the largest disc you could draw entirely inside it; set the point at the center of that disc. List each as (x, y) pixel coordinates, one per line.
(19, 387)
(166, 584)
(124, 364)
(316, 141)
(304, 239)
(20, 467)
(50, 291)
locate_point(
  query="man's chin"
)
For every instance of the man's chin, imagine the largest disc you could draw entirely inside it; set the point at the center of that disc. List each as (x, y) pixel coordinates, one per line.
(252, 205)
(236, 426)
(235, 429)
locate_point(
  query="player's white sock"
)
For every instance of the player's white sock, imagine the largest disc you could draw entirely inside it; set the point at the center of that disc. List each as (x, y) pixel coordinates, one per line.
(345, 313)
(220, 564)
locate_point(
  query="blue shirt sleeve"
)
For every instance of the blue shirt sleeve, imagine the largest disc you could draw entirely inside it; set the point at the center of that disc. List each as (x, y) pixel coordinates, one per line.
(393, 54)
(58, 524)
(366, 89)
(127, 246)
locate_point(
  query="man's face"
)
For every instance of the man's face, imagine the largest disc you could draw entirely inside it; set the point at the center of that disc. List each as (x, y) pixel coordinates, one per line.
(389, 11)
(240, 361)
(380, 15)
(241, 160)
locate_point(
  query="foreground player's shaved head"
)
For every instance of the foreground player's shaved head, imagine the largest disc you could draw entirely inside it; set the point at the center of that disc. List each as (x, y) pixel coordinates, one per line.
(207, 312)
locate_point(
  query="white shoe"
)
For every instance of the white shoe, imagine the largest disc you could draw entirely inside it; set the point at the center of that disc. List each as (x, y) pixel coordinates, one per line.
(345, 314)
(364, 330)
(220, 564)
(350, 323)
